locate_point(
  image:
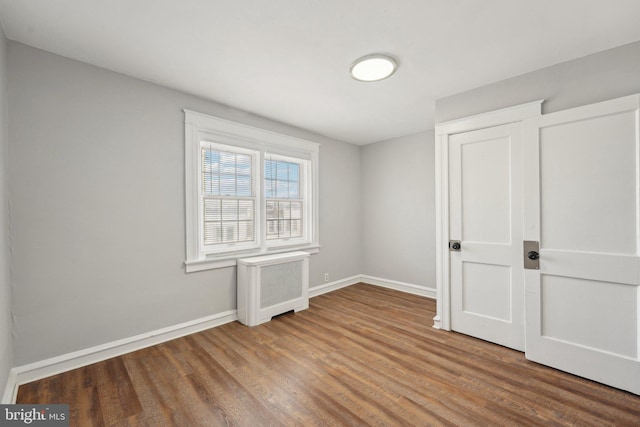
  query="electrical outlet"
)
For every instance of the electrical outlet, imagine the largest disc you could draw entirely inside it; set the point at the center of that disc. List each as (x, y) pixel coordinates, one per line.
(326, 277)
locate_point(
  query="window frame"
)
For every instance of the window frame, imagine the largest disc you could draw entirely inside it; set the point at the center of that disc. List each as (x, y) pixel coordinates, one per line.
(304, 189)
(235, 246)
(202, 127)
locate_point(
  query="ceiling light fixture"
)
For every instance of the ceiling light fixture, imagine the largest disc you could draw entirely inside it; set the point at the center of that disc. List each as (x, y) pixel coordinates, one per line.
(372, 68)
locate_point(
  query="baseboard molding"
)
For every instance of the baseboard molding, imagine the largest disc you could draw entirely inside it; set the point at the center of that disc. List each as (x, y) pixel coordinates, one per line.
(55, 365)
(45, 368)
(328, 287)
(399, 286)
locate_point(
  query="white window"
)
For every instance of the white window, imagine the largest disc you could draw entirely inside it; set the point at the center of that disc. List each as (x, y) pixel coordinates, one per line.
(284, 193)
(227, 201)
(248, 191)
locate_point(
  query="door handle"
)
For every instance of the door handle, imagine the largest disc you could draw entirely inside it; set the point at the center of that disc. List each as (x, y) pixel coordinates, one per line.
(531, 254)
(455, 245)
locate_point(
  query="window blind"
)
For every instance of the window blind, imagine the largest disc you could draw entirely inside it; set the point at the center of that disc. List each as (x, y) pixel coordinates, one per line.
(228, 196)
(284, 199)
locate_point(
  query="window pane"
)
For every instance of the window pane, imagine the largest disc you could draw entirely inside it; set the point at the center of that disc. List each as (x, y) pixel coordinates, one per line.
(272, 229)
(245, 231)
(228, 221)
(269, 188)
(269, 169)
(228, 163)
(294, 172)
(243, 186)
(207, 184)
(282, 190)
(229, 231)
(227, 185)
(272, 209)
(284, 228)
(212, 210)
(229, 210)
(294, 190)
(212, 233)
(282, 171)
(245, 210)
(282, 179)
(243, 164)
(296, 210)
(296, 228)
(210, 183)
(285, 210)
(226, 173)
(210, 160)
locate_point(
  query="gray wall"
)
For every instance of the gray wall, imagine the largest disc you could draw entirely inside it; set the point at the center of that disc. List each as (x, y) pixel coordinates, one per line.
(6, 343)
(598, 77)
(398, 205)
(97, 188)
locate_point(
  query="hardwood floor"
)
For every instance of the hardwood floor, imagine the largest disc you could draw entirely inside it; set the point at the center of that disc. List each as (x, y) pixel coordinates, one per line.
(362, 355)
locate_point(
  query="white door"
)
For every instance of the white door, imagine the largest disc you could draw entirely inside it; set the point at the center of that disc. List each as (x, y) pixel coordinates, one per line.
(581, 177)
(485, 216)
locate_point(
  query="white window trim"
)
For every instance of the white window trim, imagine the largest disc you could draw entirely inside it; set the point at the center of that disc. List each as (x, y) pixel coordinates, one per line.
(199, 127)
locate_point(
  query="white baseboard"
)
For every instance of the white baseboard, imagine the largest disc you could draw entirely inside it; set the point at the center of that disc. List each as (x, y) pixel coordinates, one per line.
(399, 286)
(45, 368)
(66, 362)
(328, 287)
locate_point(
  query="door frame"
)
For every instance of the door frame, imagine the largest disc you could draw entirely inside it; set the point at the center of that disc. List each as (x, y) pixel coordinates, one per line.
(517, 113)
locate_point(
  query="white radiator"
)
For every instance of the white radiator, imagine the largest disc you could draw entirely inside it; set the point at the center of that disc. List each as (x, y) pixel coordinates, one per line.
(272, 284)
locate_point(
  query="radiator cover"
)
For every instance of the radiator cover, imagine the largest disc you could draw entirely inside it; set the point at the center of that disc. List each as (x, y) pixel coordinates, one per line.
(272, 284)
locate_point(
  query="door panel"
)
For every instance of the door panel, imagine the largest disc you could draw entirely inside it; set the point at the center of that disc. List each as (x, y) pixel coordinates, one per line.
(485, 198)
(614, 303)
(587, 171)
(486, 290)
(581, 191)
(485, 214)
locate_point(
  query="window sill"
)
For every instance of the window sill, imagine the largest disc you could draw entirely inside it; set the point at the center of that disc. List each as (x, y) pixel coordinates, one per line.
(225, 261)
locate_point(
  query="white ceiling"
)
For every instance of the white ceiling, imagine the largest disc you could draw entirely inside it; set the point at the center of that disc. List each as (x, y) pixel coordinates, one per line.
(289, 60)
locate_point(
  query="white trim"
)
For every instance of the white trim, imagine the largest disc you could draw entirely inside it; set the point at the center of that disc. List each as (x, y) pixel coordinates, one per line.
(503, 116)
(517, 113)
(408, 288)
(257, 135)
(11, 389)
(232, 260)
(77, 359)
(441, 320)
(334, 286)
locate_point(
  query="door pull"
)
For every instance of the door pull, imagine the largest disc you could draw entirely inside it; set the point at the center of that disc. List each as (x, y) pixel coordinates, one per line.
(454, 245)
(531, 252)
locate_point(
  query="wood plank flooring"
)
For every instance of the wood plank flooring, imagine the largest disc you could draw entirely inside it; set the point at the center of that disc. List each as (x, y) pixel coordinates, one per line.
(362, 355)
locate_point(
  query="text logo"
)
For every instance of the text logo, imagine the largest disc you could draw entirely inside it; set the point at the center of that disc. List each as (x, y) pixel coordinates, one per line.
(34, 415)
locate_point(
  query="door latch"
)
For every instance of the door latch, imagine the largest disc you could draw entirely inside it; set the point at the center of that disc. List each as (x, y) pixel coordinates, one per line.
(454, 245)
(531, 254)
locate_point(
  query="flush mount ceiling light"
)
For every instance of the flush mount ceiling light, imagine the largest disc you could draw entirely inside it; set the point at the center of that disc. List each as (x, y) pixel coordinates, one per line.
(372, 68)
